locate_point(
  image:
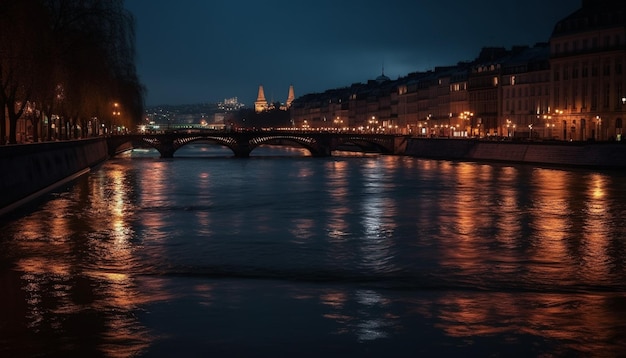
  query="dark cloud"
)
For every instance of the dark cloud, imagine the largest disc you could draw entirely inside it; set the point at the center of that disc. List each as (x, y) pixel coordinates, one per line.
(203, 51)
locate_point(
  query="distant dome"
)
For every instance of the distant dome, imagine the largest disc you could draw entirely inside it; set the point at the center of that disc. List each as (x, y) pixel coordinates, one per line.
(382, 78)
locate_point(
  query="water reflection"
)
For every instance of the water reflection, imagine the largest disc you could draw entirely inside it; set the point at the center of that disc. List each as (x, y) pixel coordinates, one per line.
(374, 250)
(77, 275)
(575, 324)
(491, 323)
(338, 208)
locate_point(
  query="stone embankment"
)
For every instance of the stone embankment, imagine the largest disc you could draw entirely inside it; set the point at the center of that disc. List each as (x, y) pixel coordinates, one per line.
(573, 154)
(27, 171)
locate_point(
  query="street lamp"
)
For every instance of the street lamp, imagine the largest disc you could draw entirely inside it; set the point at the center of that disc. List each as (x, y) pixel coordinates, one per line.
(547, 130)
(338, 123)
(116, 113)
(467, 116)
(509, 125)
(373, 124)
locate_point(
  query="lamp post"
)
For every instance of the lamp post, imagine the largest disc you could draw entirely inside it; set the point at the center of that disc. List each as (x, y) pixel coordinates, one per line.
(373, 124)
(467, 116)
(547, 130)
(338, 123)
(116, 114)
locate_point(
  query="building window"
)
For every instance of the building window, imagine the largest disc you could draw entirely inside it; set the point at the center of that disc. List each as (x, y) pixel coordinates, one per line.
(575, 71)
(607, 69)
(566, 72)
(583, 99)
(556, 97)
(607, 92)
(585, 70)
(594, 69)
(594, 97)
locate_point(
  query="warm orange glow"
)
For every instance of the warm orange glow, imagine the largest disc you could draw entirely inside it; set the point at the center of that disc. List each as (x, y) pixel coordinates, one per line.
(542, 315)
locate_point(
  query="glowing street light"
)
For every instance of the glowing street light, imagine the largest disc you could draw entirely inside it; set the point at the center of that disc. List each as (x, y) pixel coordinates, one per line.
(467, 116)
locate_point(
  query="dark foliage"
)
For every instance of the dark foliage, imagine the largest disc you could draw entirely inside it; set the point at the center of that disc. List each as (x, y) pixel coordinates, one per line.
(70, 58)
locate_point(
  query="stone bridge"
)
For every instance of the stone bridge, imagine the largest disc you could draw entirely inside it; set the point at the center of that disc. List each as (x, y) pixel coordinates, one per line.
(319, 144)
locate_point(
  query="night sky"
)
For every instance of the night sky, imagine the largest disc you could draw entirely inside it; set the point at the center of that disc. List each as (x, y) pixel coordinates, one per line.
(192, 51)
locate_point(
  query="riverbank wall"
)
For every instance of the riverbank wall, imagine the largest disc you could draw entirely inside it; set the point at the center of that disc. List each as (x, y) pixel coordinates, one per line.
(29, 170)
(611, 155)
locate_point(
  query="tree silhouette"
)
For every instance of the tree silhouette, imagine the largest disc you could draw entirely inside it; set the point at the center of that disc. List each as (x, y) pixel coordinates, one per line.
(72, 58)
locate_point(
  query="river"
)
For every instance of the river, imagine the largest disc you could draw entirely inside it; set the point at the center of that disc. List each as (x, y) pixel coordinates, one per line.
(282, 254)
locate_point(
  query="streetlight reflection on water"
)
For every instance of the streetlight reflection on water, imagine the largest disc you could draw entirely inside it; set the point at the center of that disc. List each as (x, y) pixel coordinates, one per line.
(369, 250)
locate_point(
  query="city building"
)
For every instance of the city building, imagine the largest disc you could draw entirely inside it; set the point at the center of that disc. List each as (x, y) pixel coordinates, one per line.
(587, 60)
(230, 104)
(524, 94)
(570, 88)
(261, 104)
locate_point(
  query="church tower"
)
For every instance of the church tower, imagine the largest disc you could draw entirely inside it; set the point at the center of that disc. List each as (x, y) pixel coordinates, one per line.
(261, 103)
(290, 97)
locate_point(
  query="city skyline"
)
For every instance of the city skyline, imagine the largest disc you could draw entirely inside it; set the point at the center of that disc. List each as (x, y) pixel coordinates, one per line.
(204, 52)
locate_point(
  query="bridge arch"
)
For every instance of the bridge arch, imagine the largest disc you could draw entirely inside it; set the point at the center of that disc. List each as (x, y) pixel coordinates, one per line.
(242, 143)
(308, 143)
(116, 144)
(365, 143)
(227, 142)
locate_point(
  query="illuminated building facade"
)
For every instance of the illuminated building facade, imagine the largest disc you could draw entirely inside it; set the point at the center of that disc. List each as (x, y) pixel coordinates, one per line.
(525, 94)
(587, 60)
(261, 104)
(571, 88)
